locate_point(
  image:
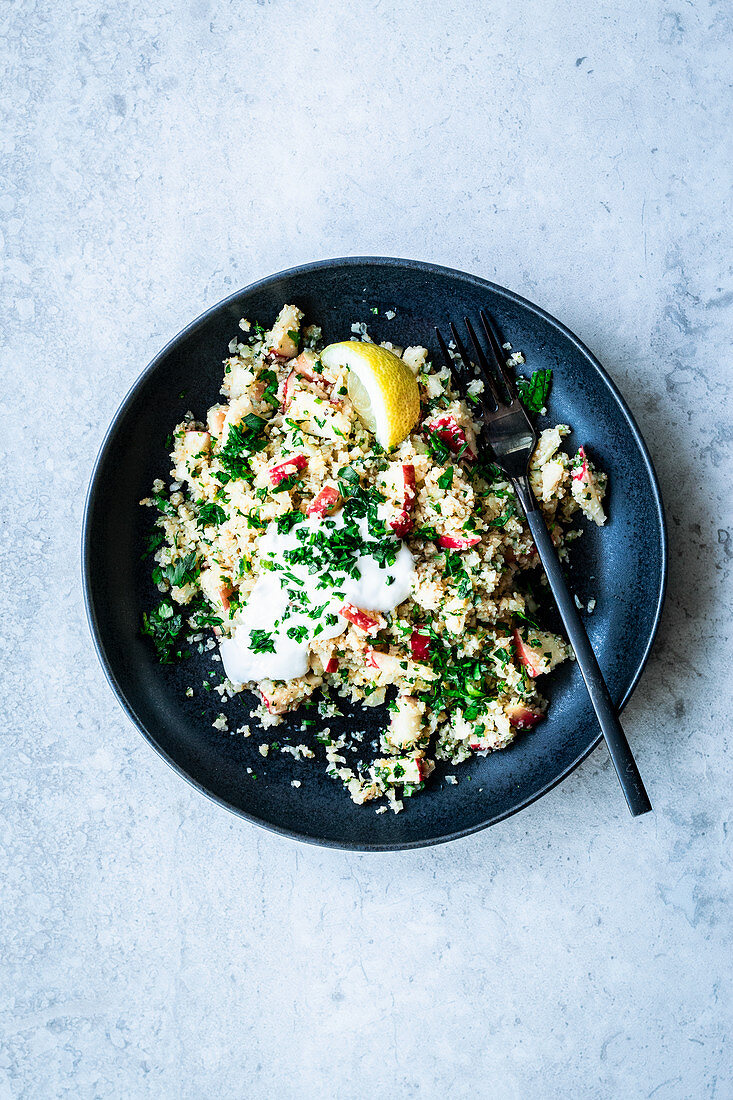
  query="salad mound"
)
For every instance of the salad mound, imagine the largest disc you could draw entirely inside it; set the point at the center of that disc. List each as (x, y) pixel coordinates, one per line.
(317, 561)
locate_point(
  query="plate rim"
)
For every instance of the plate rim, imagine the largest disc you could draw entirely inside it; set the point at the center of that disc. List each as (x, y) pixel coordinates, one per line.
(189, 329)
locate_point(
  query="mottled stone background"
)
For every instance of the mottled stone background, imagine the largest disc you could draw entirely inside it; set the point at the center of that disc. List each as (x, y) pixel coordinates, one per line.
(154, 158)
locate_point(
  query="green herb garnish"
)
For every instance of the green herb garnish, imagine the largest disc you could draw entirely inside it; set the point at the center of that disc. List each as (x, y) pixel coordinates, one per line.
(261, 641)
(183, 571)
(165, 627)
(210, 515)
(533, 391)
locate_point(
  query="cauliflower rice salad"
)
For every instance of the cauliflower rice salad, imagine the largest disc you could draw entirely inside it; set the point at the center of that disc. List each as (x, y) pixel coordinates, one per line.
(323, 562)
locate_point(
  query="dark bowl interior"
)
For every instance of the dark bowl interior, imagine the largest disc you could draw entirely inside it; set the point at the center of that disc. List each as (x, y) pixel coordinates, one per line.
(623, 565)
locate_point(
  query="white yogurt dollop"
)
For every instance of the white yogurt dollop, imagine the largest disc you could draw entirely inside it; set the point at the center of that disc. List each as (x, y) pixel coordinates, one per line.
(290, 607)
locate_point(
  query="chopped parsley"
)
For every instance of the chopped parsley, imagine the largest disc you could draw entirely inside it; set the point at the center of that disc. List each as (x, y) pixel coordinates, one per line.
(506, 515)
(270, 392)
(165, 627)
(440, 451)
(287, 483)
(164, 505)
(210, 515)
(204, 616)
(288, 521)
(261, 641)
(455, 569)
(243, 441)
(533, 391)
(155, 540)
(183, 571)
(445, 481)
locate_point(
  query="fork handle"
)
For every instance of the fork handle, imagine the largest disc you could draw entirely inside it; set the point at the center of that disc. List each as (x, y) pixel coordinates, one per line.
(618, 747)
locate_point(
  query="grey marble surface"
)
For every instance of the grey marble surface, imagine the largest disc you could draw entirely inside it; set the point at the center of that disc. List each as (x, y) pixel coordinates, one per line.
(154, 158)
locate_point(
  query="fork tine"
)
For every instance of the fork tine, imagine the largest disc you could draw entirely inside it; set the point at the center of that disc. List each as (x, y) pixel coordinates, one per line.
(484, 364)
(498, 355)
(465, 361)
(449, 362)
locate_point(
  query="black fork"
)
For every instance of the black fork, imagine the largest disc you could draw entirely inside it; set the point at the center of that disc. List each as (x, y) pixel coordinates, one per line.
(512, 439)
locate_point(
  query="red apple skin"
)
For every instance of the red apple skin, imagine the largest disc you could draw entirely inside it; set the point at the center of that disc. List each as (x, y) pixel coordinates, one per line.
(525, 653)
(524, 717)
(458, 542)
(288, 387)
(420, 646)
(402, 524)
(302, 366)
(450, 432)
(324, 503)
(285, 469)
(359, 618)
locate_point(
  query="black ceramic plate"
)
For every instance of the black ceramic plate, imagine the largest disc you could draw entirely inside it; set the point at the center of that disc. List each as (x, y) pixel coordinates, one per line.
(623, 565)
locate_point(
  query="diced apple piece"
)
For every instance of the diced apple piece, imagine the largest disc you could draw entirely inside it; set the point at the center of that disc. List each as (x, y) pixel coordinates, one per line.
(523, 717)
(458, 542)
(458, 438)
(288, 389)
(235, 414)
(195, 441)
(406, 723)
(548, 443)
(552, 473)
(420, 645)
(215, 420)
(363, 620)
(390, 665)
(412, 768)
(325, 502)
(278, 340)
(217, 589)
(586, 490)
(408, 486)
(402, 523)
(305, 366)
(317, 415)
(540, 653)
(526, 655)
(293, 465)
(238, 378)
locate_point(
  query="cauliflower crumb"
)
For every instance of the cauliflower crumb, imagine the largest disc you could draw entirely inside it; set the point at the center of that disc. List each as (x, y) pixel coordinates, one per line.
(220, 723)
(452, 780)
(294, 782)
(264, 749)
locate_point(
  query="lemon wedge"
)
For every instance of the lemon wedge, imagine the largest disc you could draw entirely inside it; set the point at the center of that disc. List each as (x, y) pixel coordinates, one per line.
(382, 388)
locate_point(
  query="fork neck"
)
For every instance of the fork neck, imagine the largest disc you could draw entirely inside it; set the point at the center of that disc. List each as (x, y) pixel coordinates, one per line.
(524, 491)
